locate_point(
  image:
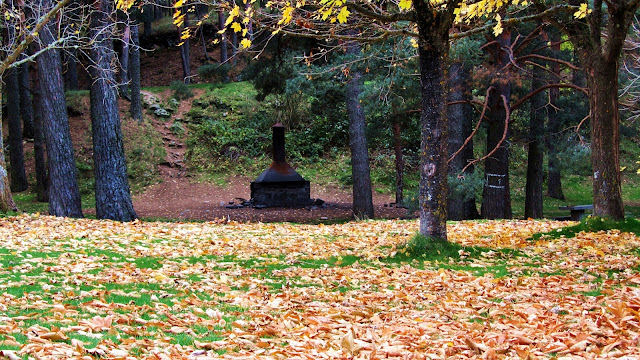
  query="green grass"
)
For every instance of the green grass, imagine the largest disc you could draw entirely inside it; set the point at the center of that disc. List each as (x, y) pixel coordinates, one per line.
(593, 224)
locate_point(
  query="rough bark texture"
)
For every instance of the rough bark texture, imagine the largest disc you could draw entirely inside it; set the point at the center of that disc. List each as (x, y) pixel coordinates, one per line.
(223, 38)
(134, 72)
(554, 132)
(42, 177)
(433, 44)
(6, 200)
(71, 73)
(124, 62)
(602, 79)
(538, 113)
(360, 172)
(397, 149)
(496, 199)
(64, 195)
(460, 206)
(16, 150)
(113, 199)
(26, 104)
(185, 53)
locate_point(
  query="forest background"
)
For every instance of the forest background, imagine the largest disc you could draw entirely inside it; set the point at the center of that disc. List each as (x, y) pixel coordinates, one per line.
(302, 83)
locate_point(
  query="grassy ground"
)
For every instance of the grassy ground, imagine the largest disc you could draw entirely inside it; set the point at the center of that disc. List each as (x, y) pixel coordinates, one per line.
(101, 289)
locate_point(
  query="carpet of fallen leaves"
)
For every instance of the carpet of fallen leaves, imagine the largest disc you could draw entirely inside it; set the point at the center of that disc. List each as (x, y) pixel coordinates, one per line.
(88, 289)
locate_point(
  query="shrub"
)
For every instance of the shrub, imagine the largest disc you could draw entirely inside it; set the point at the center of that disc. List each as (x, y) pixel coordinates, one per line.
(215, 72)
(180, 90)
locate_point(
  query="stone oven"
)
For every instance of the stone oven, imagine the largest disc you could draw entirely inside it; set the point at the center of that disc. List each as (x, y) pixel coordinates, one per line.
(280, 185)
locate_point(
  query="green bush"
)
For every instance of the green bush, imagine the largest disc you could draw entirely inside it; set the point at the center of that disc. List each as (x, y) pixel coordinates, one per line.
(215, 72)
(180, 90)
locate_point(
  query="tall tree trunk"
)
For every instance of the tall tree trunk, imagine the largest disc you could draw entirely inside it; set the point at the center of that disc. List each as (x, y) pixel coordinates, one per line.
(42, 177)
(113, 199)
(64, 195)
(461, 205)
(533, 191)
(147, 21)
(554, 132)
(234, 47)
(26, 104)
(16, 149)
(397, 149)
(134, 72)
(6, 200)
(223, 37)
(361, 176)
(433, 44)
(124, 62)
(185, 55)
(602, 80)
(496, 199)
(199, 11)
(71, 73)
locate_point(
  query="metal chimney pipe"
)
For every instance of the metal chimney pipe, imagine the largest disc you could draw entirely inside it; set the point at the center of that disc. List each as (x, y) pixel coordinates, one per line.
(278, 143)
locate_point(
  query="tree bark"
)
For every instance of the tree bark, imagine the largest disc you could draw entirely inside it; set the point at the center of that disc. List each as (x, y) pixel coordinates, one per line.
(71, 73)
(533, 205)
(64, 195)
(16, 149)
(223, 37)
(6, 200)
(397, 149)
(602, 80)
(433, 44)
(134, 71)
(113, 199)
(554, 133)
(124, 62)
(26, 103)
(185, 55)
(496, 199)
(460, 205)
(42, 177)
(360, 172)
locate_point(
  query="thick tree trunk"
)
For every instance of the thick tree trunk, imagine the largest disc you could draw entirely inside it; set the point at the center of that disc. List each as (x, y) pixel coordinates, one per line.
(554, 132)
(432, 49)
(42, 177)
(496, 199)
(460, 205)
(6, 200)
(71, 73)
(397, 149)
(533, 190)
(16, 149)
(134, 72)
(602, 80)
(26, 104)
(360, 173)
(64, 195)
(113, 199)
(149, 11)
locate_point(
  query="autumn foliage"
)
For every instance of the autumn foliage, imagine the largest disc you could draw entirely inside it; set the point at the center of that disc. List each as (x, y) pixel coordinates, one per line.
(85, 289)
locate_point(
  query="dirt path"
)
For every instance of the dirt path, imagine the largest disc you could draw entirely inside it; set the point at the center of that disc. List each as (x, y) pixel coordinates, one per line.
(178, 196)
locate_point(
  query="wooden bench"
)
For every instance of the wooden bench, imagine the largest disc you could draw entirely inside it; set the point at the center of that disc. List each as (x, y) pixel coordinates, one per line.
(577, 212)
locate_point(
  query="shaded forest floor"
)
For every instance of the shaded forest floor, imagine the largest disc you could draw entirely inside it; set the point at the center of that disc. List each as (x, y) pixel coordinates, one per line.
(183, 195)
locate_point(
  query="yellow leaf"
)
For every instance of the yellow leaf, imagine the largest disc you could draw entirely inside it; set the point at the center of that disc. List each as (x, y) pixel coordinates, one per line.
(236, 27)
(343, 15)
(405, 4)
(582, 12)
(245, 43)
(497, 30)
(178, 4)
